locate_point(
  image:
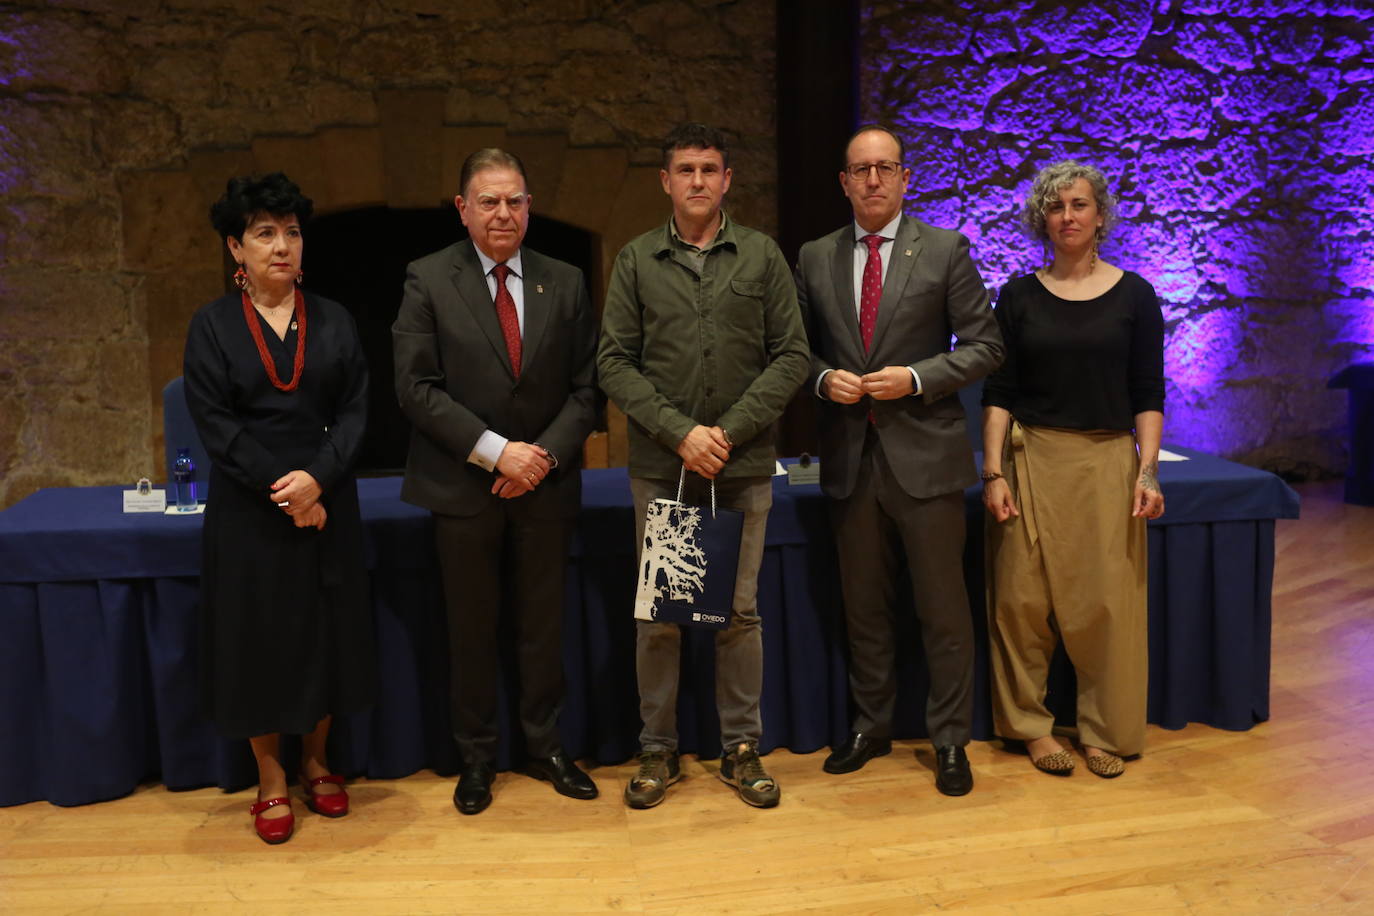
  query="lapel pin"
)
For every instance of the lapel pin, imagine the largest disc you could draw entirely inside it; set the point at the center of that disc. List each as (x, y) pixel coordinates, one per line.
(908, 252)
(538, 287)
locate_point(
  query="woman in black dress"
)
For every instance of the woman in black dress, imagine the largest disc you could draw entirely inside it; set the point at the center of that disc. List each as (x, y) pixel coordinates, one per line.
(277, 385)
(1071, 429)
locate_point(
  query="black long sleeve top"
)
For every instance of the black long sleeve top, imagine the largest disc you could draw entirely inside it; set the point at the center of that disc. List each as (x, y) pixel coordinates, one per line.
(1079, 364)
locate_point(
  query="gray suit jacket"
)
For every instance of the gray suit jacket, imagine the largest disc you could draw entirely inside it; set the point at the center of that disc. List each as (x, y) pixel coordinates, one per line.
(454, 379)
(931, 292)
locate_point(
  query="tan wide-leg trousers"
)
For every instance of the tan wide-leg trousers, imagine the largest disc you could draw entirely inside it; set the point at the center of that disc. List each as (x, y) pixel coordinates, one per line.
(1071, 567)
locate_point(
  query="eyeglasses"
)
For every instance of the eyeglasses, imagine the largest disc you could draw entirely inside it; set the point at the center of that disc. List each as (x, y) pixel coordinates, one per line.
(515, 203)
(887, 169)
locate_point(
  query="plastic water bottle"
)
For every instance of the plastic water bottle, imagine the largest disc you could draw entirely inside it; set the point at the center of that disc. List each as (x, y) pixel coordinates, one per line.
(184, 475)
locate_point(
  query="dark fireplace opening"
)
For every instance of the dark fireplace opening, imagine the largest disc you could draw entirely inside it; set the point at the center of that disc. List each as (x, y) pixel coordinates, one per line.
(358, 258)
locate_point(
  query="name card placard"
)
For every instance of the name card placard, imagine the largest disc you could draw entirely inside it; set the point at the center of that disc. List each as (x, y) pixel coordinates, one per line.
(145, 501)
(803, 472)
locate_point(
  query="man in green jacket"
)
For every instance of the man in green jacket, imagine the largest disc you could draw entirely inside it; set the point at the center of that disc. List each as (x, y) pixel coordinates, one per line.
(702, 346)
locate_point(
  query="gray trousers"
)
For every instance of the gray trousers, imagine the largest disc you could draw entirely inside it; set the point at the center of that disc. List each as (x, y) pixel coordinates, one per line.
(739, 648)
(871, 525)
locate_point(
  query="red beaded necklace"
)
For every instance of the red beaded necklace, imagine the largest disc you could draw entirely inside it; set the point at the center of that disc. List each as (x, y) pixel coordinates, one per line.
(255, 326)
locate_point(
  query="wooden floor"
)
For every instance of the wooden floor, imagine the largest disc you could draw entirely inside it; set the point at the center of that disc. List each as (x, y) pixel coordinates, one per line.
(1279, 819)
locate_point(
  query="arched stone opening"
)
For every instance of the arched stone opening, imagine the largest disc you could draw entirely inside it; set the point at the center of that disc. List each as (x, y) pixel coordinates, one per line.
(409, 161)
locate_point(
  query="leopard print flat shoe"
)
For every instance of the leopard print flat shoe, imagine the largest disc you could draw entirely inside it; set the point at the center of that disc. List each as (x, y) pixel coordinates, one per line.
(1058, 763)
(1108, 766)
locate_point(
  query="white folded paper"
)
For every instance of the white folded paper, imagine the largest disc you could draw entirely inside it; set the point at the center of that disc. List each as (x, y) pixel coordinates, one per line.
(145, 500)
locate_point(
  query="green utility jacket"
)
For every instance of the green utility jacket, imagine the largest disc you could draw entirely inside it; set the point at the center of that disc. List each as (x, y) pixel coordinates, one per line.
(723, 347)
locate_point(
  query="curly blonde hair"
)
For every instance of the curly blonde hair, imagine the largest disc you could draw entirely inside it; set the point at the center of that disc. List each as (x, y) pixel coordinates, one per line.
(1053, 179)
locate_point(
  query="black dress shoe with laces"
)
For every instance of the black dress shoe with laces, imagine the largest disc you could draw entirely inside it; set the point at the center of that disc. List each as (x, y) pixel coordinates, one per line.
(855, 752)
(567, 779)
(952, 773)
(473, 792)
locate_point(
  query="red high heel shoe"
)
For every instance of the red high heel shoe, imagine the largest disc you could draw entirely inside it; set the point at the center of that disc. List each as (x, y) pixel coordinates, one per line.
(334, 804)
(273, 830)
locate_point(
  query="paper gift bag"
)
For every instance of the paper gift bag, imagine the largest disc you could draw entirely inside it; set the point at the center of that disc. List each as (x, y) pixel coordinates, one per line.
(688, 562)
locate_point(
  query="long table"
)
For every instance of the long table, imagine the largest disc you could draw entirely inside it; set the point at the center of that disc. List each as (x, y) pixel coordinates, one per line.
(98, 644)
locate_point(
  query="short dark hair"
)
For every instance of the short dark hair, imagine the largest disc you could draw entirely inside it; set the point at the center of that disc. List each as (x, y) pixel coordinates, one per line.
(693, 135)
(489, 157)
(881, 128)
(248, 195)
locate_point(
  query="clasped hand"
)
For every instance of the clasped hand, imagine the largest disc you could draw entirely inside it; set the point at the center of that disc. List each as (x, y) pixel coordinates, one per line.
(704, 451)
(886, 384)
(520, 469)
(297, 493)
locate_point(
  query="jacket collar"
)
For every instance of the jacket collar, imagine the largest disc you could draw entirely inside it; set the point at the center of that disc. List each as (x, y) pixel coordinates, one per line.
(670, 240)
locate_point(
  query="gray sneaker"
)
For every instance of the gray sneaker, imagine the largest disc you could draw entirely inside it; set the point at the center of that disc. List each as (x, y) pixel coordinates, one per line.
(743, 769)
(657, 771)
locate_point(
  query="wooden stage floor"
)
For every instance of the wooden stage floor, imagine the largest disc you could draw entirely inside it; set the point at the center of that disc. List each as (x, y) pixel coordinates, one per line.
(1279, 819)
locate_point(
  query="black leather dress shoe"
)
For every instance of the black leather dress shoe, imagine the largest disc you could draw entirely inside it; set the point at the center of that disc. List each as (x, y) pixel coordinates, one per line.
(473, 792)
(952, 773)
(567, 779)
(855, 752)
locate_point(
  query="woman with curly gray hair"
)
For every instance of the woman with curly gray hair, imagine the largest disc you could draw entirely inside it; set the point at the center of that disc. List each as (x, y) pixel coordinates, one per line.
(1071, 428)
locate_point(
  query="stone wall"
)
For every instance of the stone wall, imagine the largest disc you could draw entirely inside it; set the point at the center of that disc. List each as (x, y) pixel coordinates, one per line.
(121, 119)
(1239, 134)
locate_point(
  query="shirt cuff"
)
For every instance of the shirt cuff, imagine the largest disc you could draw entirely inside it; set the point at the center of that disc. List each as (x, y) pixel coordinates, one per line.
(488, 450)
(915, 382)
(820, 378)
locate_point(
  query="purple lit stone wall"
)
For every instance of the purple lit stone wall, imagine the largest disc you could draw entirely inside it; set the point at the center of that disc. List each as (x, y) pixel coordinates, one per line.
(1239, 135)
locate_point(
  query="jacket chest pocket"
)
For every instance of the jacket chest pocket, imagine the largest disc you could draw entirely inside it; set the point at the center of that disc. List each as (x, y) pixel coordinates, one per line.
(743, 304)
(747, 289)
(922, 292)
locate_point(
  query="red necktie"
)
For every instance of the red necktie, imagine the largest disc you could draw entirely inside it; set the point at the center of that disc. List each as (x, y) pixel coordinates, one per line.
(510, 322)
(872, 290)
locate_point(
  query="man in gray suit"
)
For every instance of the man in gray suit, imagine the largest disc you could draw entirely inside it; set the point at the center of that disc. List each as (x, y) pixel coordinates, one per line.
(882, 298)
(495, 347)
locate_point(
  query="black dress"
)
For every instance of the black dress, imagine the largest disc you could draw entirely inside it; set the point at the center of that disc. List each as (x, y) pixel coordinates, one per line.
(285, 621)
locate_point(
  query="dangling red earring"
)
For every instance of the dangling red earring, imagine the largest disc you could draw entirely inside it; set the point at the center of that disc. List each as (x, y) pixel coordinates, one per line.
(300, 277)
(241, 278)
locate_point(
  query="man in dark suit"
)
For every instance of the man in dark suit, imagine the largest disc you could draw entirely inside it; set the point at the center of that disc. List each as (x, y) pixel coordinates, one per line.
(882, 298)
(495, 348)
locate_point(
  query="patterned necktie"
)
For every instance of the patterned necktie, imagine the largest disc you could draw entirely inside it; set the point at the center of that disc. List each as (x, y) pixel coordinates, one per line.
(505, 313)
(871, 291)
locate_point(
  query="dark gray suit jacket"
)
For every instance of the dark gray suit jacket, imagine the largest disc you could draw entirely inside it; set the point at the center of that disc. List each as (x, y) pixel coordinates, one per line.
(931, 292)
(454, 379)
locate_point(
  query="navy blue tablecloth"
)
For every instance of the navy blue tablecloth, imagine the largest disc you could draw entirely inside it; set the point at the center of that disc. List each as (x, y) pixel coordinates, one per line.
(98, 636)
